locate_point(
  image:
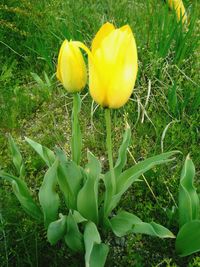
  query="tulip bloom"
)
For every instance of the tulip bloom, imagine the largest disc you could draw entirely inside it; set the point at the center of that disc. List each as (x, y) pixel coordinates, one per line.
(112, 65)
(71, 69)
(178, 6)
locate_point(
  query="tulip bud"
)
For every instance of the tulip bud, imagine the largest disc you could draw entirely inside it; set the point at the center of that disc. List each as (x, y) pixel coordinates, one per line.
(112, 66)
(71, 69)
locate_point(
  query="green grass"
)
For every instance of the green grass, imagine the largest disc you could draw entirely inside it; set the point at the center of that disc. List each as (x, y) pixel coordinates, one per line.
(34, 105)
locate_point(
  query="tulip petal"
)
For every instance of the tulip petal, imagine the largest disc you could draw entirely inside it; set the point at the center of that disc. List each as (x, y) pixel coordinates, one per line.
(95, 79)
(58, 74)
(71, 70)
(113, 83)
(124, 74)
(104, 31)
(178, 6)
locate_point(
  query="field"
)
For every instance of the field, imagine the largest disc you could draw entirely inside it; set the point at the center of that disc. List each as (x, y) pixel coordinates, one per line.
(163, 113)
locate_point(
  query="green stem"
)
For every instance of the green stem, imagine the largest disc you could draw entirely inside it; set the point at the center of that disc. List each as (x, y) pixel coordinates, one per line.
(76, 141)
(109, 148)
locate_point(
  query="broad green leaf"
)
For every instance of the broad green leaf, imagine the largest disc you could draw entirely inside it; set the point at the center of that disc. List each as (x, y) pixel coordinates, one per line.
(188, 198)
(46, 154)
(23, 194)
(16, 157)
(73, 237)
(48, 196)
(153, 229)
(57, 229)
(61, 155)
(98, 255)
(125, 223)
(122, 153)
(70, 180)
(91, 237)
(76, 141)
(126, 179)
(87, 200)
(78, 217)
(188, 238)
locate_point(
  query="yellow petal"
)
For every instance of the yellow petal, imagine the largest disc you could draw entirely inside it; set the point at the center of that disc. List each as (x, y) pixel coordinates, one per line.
(106, 29)
(113, 75)
(178, 6)
(124, 74)
(71, 70)
(95, 80)
(58, 74)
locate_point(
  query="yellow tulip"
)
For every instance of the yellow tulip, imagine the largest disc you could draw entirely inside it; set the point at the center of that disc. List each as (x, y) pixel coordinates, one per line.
(71, 69)
(178, 6)
(112, 65)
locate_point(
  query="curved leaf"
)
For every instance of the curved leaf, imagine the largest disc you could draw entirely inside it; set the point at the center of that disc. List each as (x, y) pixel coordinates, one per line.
(188, 197)
(48, 196)
(122, 153)
(87, 200)
(78, 217)
(73, 237)
(188, 238)
(17, 157)
(125, 180)
(125, 223)
(70, 180)
(98, 255)
(45, 153)
(23, 194)
(57, 229)
(95, 251)
(91, 237)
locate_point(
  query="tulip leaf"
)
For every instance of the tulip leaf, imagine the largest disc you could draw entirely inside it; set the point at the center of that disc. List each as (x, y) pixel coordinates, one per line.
(73, 237)
(70, 180)
(122, 154)
(57, 229)
(91, 237)
(98, 255)
(16, 157)
(126, 179)
(61, 154)
(87, 200)
(188, 197)
(23, 195)
(188, 238)
(45, 153)
(125, 223)
(76, 141)
(78, 217)
(48, 196)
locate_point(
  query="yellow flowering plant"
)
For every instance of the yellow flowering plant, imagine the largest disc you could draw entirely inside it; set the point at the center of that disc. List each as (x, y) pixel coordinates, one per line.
(89, 210)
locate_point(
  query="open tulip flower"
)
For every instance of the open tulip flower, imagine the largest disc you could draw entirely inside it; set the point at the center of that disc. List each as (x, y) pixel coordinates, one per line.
(178, 6)
(112, 65)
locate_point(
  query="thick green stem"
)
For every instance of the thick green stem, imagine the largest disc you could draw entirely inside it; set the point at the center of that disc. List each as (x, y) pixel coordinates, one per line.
(109, 148)
(76, 142)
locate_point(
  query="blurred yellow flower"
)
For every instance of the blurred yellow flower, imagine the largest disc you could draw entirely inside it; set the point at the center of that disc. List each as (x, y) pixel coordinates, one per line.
(71, 69)
(178, 6)
(112, 65)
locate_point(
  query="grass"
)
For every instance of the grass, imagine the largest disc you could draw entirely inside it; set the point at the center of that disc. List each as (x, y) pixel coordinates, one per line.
(34, 105)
